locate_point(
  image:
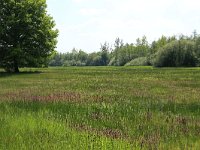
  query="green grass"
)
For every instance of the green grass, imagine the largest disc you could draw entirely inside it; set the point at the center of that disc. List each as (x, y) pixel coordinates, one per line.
(100, 108)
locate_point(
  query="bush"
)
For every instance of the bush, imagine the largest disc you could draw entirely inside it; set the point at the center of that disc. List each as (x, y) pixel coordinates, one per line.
(140, 61)
(177, 54)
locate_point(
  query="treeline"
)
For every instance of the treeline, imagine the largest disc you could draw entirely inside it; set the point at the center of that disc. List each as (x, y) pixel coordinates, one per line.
(174, 51)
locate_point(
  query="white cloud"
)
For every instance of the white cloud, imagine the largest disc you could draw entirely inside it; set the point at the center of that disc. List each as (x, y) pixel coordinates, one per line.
(91, 11)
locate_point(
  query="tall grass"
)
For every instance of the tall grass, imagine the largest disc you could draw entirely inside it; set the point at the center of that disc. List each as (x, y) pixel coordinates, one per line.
(100, 108)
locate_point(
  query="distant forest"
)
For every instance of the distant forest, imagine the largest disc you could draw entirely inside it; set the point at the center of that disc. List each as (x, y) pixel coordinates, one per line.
(174, 51)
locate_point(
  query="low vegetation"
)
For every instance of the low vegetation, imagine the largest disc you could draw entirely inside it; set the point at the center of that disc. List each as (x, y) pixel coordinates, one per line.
(100, 108)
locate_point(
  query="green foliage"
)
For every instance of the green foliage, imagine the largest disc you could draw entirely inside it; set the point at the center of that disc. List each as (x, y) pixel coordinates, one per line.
(179, 53)
(75, 58)
(105, 48)
(27, 35)
(140, 53)
(112, 62)
(125, 53)
(140, 61)
(81, 58)
(197, 48)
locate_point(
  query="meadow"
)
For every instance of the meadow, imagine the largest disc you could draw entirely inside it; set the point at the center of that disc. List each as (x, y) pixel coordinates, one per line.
(100, 108)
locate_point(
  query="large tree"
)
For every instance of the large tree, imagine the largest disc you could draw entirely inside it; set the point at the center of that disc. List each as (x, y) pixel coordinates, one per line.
(27, 34)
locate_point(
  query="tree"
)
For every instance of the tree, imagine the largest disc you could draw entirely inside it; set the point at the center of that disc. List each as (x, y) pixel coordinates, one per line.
(142, 47)
(118, 45)
(27, 34)
(94, 59)
(82, 56)
(105, 54)
(56, 60)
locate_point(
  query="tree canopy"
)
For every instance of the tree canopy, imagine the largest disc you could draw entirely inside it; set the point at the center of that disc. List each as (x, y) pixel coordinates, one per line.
(177, 54)
(173, 51)
(27, 34)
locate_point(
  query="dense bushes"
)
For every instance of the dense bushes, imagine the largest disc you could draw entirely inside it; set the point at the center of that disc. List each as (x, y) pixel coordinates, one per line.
(141, 61)
(179, 53)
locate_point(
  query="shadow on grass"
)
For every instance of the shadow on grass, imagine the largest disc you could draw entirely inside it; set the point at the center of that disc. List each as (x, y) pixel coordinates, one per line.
(192, 109)
(7, 74)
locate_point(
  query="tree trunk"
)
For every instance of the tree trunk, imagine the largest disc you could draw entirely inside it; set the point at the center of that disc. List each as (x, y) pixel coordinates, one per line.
(16, 67)
(16, 70)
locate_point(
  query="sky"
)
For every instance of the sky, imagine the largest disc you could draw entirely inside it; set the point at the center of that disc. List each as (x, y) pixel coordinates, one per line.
(86, 24)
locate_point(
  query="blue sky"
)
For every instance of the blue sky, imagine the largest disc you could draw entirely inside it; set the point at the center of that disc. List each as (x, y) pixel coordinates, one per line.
(85, 24)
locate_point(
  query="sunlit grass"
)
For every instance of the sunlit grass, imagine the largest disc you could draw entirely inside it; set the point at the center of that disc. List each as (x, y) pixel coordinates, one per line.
(100, 108)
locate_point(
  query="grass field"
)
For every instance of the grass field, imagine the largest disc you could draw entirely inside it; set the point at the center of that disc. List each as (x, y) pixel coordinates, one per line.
(100, 108)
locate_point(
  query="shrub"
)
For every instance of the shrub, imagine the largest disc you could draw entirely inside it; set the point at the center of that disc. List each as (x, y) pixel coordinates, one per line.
(140, 61)
(177, 54)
